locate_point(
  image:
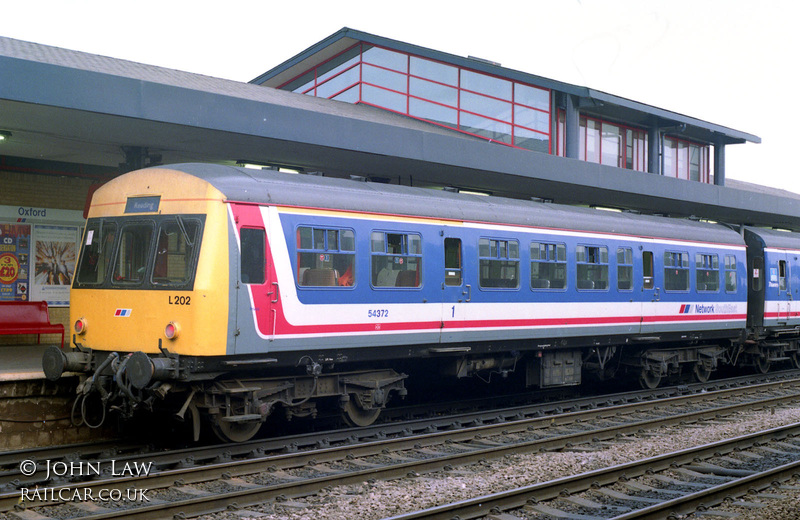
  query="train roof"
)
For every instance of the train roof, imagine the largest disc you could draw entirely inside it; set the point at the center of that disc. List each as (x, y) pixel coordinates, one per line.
(777, 238)
(272, 187)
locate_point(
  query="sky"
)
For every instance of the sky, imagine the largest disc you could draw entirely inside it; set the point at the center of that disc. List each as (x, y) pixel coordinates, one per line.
(729, 62)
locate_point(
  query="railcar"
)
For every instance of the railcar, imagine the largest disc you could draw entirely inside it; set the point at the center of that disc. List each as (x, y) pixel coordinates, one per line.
(223, 294)
(773, 294)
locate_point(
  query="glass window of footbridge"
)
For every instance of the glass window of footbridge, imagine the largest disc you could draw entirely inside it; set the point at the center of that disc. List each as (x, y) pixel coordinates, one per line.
(476, 103)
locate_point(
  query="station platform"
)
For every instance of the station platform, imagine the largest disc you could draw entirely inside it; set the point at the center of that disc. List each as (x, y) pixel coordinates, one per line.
(35, 411)
(21, 362)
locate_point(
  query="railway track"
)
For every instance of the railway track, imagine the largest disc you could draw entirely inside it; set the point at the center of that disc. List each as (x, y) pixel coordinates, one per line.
(661, 487)
(401, 421)
(209, 480)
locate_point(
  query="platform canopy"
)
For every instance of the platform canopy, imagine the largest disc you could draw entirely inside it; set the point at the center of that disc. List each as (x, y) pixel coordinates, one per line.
(78, 108)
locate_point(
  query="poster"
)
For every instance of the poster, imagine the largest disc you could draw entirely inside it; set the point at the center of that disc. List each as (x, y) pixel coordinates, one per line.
(54, 256)
(15, 248)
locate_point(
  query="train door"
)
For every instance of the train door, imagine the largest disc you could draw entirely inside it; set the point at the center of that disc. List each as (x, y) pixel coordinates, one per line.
(781, 272)
(651, 294)
(257, 295)
(456, 292)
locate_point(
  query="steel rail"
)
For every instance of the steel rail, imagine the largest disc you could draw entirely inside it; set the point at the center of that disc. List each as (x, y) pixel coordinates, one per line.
(295, 460)
(519, 497)
(126, 451)
(714, 495)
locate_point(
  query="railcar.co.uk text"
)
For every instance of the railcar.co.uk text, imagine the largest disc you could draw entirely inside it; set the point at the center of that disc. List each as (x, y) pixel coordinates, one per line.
(77, 469)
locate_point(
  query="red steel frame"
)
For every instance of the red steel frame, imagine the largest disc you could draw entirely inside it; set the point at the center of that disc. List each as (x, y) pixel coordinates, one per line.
(554, 142)
(704, 160)
(361, 63)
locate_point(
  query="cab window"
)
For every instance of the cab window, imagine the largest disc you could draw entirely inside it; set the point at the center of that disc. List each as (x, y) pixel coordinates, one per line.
(130, 266)
(98, 250)
(175, 248)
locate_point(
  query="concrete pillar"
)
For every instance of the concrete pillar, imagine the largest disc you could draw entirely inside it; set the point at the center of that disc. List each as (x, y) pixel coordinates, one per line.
(572, 129)
(719, 163)
(654, 150)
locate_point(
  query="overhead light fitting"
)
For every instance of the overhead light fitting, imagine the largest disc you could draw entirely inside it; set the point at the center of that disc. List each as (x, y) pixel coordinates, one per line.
(254, 165)
(4, 134)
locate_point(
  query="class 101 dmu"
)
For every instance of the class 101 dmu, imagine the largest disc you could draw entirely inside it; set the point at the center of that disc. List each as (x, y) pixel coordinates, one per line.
(223, 295)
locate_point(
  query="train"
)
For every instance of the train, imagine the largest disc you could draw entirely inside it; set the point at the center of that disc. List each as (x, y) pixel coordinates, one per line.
(223, 295)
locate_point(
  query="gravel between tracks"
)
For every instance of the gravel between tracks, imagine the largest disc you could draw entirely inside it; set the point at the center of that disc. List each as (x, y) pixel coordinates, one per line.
(383, 499)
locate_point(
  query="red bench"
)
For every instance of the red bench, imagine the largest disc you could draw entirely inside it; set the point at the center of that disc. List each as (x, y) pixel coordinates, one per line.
(28, 318)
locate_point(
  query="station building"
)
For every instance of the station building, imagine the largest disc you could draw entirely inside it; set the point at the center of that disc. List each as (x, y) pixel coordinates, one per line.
(520, 110)
(354, 105)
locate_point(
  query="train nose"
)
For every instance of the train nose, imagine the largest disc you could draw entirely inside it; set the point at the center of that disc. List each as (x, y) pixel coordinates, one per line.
(55, 362)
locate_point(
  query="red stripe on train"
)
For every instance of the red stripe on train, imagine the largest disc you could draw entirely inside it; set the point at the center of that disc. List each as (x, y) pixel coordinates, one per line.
(285, 328)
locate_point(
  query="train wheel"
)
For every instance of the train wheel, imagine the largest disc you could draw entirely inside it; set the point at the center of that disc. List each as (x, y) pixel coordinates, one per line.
(357, 416)
(234, 431)
(649, 379)
(795, 359)
(762, 364)
(701, 372)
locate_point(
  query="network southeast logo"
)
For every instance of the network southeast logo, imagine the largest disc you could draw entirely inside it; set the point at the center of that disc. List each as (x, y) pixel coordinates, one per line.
(711, 308)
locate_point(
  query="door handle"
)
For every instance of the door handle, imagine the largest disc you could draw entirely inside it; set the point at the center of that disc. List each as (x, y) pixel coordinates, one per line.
(467, 292)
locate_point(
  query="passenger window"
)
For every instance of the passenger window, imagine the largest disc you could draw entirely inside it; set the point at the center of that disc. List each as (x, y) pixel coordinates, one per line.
(326, 257)
(707, 272)
(676, 271)
(253, 255)
(396, 259)
(648, 281)
(498, 263)
(730, 273)
(134, 249)
(452, 261)
(592, 263)
(548, 266)
(624, 268)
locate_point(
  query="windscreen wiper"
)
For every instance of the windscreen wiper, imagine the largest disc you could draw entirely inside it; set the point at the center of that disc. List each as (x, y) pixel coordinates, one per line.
(189, 243)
